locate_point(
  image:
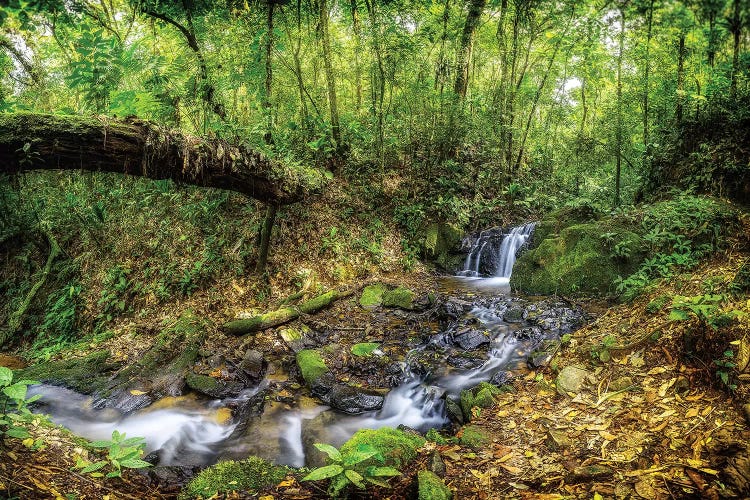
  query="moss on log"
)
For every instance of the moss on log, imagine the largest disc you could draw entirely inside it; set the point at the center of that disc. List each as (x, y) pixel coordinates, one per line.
(283, 315)
(137, 147)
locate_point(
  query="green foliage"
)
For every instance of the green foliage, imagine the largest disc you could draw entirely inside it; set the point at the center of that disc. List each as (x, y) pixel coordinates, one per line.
(252, 474)
(364, 349)
(706, 308)
(348, 468)
(600, 352)
(121, 452)
(12, 420)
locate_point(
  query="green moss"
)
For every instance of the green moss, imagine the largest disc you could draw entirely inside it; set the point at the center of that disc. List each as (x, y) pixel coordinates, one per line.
(85, 375)
(202, 383)
(311, 365)
(431, 487)
(473, 437)
(434, 436)
(397, 447)
(250, 475)
(657, 304)
(441, 244)
(576, 261)
(400, 297)
(372, 296)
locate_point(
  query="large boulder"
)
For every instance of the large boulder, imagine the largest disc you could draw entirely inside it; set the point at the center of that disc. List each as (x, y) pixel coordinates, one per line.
(578, 260)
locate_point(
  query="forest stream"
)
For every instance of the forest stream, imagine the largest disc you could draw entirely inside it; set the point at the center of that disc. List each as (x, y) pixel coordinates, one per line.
(499, 330)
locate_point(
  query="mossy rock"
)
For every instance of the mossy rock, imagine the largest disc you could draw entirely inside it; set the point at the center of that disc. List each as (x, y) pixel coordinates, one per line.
(372, 296)
(473, 437)
(311, 364)
(431, 487)
(85, 375)
(441, 244)
(250, 475)
(576, 261)
(400, 297)
(481, 396)
(397, 447)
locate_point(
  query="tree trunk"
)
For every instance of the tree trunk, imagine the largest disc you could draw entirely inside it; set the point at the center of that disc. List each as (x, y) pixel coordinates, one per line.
(325, 40)
(680, 78)
(357, 49)
(139, 148)
(618, 145)
(646, 75)
(476, 7)
(283, 315)
(265, 238)
(378, 84)
(268, 87)
(736, 29)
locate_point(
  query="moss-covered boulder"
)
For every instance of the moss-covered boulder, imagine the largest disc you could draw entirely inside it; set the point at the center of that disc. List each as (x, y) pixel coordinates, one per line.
(481, 396)
(431, 487)
(397, 447)
(372, 296)
(250, 475)
(311, 365)
(400, 297)
(583, 258)
(441, 244)
(87, 375)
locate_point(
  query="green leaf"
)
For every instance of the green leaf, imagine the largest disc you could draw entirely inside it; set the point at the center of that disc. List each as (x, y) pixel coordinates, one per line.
(114, 473)
(6, 375)
(355, 477)
(378, 482)
(324, 473)
(329, 450)
(134, 463)
(678, 315)
(94, 467)
(364, 349)
(17, 432)
(359, 456)
(382, 471)
(16, 392)
(100, 444)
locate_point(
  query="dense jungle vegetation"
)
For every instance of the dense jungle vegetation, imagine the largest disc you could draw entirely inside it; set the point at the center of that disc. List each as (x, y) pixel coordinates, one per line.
(302, 174)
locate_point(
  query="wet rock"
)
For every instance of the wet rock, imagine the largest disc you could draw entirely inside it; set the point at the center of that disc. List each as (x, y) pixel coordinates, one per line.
(513, 314)
(530, 333)
(554, 316)
(456, 308)
(126, 401)
(571, 379)
(353, 401)
(543, 354)
(171, 478)
(213, 387)
(317, 430)
(470, 339)
(453, 410)
(501, 378)
(400, 297)
(253, 364)
(437, 465)
(464, 363)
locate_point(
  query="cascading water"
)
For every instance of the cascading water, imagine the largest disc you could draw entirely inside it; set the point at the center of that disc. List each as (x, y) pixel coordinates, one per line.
(493, 253)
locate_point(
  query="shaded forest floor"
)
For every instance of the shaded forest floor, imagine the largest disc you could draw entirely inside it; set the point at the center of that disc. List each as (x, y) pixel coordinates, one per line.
(649, 420)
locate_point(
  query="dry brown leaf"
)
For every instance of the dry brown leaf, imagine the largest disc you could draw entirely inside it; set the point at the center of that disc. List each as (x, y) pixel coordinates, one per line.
(692, 412)
(511, 469)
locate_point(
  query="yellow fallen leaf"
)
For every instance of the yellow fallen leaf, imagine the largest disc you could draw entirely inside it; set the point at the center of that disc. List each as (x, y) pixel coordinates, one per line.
(707, 410)
(511, 469)
(665, 414)
(656, 371)
(606, 435)
(692, 412)
(695, 397)
(285, 484)
(505, 458)
(663, 388)
(136, 392)
(28, 442)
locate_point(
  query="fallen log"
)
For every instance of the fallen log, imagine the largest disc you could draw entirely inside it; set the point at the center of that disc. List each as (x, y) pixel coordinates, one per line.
(283, 315)
(31, 141)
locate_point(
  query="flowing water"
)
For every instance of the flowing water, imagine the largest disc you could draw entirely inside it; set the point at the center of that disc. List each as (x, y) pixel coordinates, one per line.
(492, 255)
(187, 431)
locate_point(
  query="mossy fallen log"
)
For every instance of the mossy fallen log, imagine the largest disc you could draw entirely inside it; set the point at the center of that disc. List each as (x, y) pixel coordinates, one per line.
(31, 141)
(283, 315)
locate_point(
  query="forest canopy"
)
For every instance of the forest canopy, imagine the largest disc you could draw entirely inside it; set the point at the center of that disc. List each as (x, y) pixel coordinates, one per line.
(466, 101)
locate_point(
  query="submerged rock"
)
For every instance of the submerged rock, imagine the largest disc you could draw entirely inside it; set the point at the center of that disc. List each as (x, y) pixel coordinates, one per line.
(213, 387)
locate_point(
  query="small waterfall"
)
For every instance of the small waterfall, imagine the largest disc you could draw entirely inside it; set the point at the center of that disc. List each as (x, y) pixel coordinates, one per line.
(493, 253)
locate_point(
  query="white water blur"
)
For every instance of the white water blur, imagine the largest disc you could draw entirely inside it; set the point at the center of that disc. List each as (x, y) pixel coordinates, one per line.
(176, 432)
(506, 254)
(510, 245)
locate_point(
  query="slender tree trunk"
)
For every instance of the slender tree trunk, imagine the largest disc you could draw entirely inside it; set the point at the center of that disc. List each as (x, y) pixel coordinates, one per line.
(265, 238)
(618, 145)
(584, 108)
(646, 75)
(330, 75)
(680, 78)
(441, 69)
(463, 59)
(736, 28)
(267, 107)
(378, 85)
(357, 49)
